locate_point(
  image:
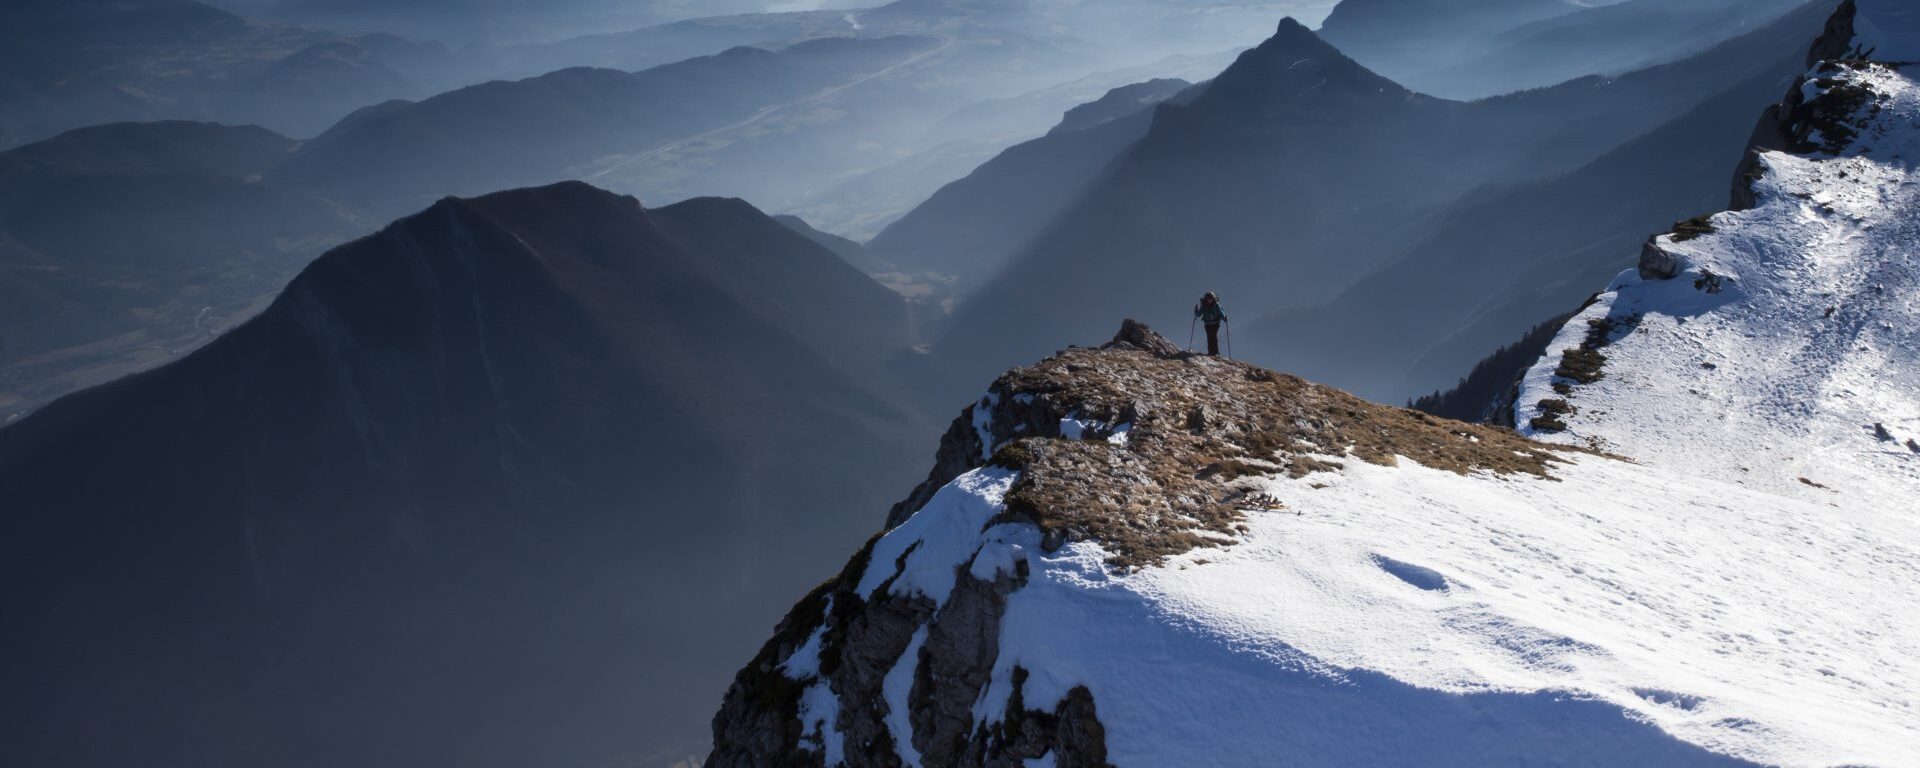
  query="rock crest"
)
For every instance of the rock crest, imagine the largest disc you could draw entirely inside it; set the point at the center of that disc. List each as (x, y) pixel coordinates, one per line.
(1137, 446)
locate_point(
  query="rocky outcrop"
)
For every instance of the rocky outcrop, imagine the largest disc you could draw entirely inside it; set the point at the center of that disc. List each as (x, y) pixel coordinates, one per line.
(1788, 125)
(1137, 446)
(1136, 335)
(860, 642)
(1657, 263)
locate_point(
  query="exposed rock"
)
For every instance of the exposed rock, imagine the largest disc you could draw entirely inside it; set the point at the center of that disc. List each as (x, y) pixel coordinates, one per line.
(955, 664)
(1657, 263)
(1136, 446)
(1148, 478)
(1136, 335)
(1836, 41)
(1787, 125)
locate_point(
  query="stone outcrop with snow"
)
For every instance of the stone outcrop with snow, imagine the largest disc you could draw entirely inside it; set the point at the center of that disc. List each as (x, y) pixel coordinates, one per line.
(1132, 556)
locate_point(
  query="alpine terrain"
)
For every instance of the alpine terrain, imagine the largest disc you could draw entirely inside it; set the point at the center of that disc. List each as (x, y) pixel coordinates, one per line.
(1707, 555)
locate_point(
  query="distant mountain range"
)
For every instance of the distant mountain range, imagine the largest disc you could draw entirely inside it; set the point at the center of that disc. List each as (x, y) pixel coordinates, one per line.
(1487, 47)
(1298, 172)
(971, 228)
(1498, 261)
(459, 492)
(571, 123)
(123, 246)
(71, 63)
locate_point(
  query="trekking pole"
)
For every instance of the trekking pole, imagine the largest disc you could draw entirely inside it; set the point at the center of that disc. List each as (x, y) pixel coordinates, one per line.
(1229, 339)
(1190, 325)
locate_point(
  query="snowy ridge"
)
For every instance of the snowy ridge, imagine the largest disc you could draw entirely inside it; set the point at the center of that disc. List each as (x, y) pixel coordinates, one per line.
(1415, 615)
(1789, 347)
(1721, 568)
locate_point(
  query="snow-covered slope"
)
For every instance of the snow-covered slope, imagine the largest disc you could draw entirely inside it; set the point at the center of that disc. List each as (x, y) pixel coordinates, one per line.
(1790, 332)
(1135, 557)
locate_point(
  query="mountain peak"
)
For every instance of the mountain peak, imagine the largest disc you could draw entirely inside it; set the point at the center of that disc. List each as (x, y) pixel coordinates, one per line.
(1296, 65)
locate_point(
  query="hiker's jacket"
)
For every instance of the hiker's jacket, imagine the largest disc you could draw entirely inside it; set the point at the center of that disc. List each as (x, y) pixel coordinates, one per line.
(1211, 314)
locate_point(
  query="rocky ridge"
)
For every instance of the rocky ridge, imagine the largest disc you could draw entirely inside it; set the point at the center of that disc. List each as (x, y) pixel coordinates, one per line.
(1137, 445)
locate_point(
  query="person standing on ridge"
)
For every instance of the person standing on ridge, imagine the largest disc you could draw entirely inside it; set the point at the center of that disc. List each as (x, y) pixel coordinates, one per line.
(1210, 314)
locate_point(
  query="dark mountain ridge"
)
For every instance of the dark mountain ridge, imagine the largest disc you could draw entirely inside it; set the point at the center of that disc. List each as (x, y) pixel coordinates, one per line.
(73, 63)
(429, 496)
(123, 244)
(972, 227)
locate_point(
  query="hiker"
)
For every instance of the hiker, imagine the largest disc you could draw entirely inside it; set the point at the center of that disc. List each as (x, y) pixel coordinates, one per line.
(1211, 315)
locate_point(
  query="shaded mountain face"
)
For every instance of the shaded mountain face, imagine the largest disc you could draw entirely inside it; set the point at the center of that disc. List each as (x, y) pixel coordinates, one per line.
(1298, 172)
(69, 64)
(124, 246)
(513, 481)
(971, 228)
(1603, 40)
(849, 251)
(1479, 49)
(561, 125)
(1120, 103)
(163, 148)
(1400, 37)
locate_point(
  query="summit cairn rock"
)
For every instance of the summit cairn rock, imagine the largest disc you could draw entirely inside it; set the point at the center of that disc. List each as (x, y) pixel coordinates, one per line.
(1136, 335)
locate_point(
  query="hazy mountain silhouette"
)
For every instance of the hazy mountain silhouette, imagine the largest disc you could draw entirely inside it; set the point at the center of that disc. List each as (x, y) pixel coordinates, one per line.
(1607, 39)
(459, 493)
(972, 227)
(651, 46)
(1402, 37)
(473, 23)
(849, 251)
(1297, 172)
(555, 126)
(1501, 260)
(70, 63)
(123, 245)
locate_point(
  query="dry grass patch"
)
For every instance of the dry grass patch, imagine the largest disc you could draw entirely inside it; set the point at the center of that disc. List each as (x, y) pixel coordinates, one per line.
(1199, 427)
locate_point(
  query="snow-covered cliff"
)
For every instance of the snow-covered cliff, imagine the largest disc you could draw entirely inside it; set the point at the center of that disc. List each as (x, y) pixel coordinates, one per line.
(1130, 556)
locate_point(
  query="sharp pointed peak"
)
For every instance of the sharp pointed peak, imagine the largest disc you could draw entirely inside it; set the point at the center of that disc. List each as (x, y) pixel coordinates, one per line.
(1294, 63)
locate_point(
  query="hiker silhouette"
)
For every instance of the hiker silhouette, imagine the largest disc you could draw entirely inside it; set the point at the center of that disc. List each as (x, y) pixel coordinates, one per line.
(1211, 314)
